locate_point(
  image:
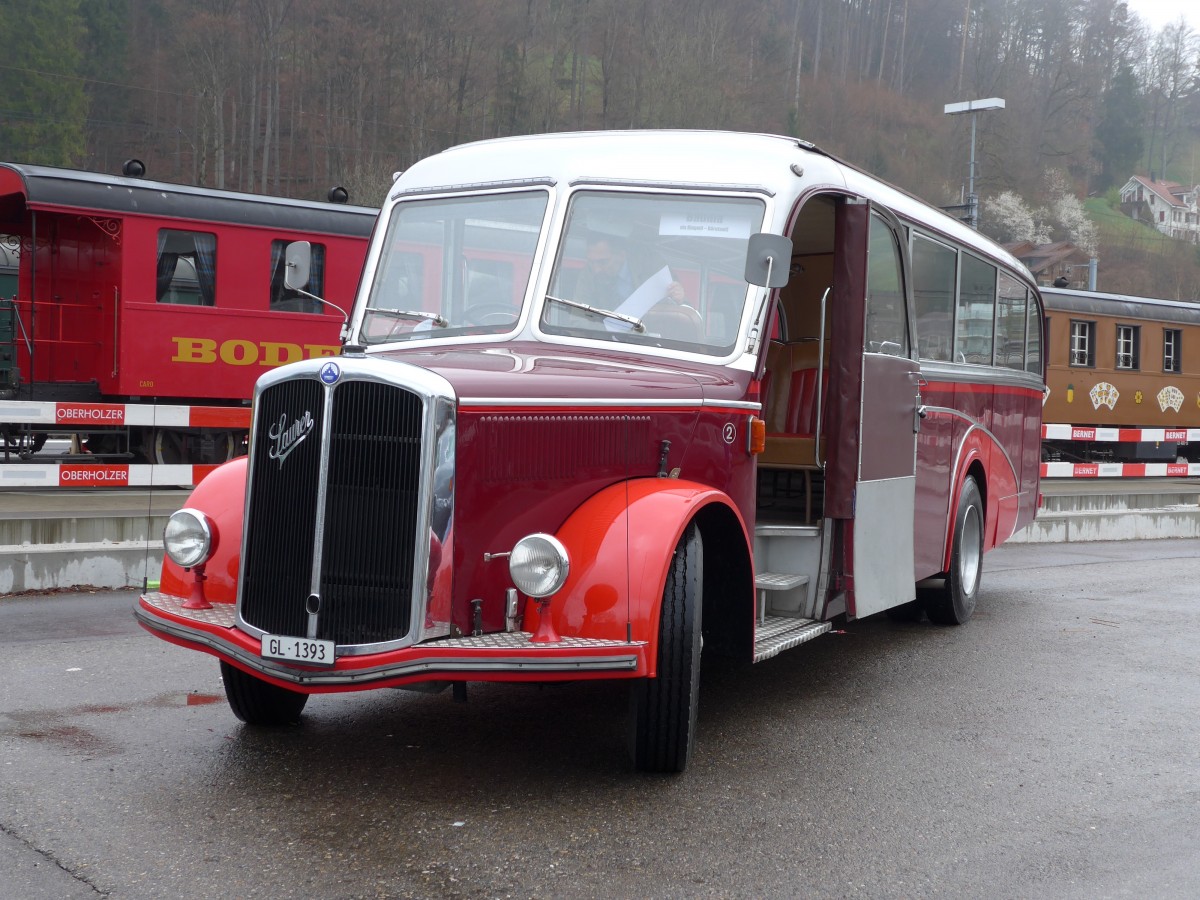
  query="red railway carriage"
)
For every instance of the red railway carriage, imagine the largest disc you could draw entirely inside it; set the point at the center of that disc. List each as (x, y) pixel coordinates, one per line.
(1123, 374)
(611, 402)
(132, 293)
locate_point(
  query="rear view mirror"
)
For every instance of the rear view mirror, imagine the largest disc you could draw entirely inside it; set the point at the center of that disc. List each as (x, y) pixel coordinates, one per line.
(768, 260)
(297, 258)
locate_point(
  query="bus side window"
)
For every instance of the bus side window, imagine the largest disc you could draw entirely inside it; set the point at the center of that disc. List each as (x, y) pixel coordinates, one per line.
(1011, 323)
(186, 268)
(934, 268)
(284, 300)
(887, 325)
(976, 312)
(1033, 338)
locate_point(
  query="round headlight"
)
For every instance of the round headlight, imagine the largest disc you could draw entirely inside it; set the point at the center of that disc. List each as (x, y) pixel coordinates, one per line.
(188, 537)
(538, 565)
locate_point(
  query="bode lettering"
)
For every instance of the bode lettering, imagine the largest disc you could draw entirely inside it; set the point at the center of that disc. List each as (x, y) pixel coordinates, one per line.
(240, 352)
(287, 437)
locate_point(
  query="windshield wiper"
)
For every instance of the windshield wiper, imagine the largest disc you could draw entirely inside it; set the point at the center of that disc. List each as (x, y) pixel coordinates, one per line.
(603, 313)
(410, 314)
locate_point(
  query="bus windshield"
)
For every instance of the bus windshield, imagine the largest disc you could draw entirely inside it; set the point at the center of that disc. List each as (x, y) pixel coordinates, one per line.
(454, 266)
(653, 269)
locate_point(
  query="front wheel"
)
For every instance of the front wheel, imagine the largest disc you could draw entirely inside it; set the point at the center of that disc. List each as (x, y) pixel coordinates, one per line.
(954, 603)
(663, 708)
(257, 702)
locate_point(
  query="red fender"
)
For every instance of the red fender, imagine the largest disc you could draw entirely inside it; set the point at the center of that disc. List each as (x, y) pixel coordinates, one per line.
(222, 497)
(1000, 482)
(620, 543)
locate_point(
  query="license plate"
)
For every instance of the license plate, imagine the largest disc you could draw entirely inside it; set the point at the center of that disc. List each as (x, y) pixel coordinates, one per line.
(309, 651)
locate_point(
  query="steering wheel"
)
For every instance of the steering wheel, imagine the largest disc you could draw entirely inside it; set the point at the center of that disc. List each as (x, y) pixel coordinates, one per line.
(490, 314)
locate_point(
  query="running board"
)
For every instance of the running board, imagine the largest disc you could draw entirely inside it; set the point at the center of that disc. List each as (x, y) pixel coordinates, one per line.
(778, 633)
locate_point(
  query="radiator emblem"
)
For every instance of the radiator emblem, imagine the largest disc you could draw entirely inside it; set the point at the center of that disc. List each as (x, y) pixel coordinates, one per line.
(330, 372)
(288, 437)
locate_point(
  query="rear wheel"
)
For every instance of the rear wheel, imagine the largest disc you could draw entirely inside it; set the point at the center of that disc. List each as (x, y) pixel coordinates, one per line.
(257, 702)
(663, 709)
(954, 602)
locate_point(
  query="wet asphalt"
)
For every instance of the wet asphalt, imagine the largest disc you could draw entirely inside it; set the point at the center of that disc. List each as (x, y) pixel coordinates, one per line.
(1047, 749)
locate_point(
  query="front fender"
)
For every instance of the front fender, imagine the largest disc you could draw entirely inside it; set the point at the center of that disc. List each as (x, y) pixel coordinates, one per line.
(620, 543)
(222, 497)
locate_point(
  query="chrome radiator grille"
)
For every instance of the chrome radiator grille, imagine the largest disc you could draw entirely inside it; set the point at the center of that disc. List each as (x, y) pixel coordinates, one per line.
(363, 537)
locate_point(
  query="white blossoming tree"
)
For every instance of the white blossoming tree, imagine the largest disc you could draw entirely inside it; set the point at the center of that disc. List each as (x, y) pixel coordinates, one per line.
(1008, 218)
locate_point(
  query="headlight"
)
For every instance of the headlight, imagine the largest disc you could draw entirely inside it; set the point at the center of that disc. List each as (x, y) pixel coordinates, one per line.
(189, 538)
(539, 565)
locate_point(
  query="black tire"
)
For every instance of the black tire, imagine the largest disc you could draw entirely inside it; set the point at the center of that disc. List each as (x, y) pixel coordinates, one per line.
(663, 708)
(954, 602)
(257, 702)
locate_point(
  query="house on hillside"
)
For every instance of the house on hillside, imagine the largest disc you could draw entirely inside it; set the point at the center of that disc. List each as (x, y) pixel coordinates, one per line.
(1051, 262)
(1170, 207)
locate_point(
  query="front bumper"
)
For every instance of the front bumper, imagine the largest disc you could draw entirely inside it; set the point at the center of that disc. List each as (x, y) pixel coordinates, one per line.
(505, 656)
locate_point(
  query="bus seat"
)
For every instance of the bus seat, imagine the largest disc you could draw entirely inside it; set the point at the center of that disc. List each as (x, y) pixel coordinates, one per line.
(802, 401)
(783, 360)
(790, 392)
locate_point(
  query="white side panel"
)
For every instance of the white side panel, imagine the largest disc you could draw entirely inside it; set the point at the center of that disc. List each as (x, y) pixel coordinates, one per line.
(883, 544)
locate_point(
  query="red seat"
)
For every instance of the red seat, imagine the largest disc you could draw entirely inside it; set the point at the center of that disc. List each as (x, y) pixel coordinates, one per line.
(802, 402)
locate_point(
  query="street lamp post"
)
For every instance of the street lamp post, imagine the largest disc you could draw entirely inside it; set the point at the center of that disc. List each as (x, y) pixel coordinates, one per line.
(973, 107)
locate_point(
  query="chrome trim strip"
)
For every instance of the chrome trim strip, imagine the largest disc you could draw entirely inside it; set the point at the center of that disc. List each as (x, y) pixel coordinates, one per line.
(621, 662)
(978, 374)
(314, 582)
(748, 405)
(699, 186)
(474, 186)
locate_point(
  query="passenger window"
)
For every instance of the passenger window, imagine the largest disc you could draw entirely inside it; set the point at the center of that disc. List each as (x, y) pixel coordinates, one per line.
(1010, 323)
(887, 325)
(934, 271)
(976, 312)
(285, 300)
(186, 268)
(1033, 340)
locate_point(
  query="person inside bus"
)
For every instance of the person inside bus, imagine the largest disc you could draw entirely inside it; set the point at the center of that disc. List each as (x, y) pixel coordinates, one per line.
(611, 275)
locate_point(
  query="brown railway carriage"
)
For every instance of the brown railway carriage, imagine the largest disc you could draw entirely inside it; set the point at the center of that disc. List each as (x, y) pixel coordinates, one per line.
(1117, 361)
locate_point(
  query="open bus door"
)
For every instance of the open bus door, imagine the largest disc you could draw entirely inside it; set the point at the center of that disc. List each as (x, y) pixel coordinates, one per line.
(874, 403)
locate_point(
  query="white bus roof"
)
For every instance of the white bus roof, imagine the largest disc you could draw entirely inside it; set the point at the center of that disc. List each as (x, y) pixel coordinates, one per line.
(701, 159)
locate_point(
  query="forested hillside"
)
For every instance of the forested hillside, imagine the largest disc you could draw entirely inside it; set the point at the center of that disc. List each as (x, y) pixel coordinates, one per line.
(292, 96)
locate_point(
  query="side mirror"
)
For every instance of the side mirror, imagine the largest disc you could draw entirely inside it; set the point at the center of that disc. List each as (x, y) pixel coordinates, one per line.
(297, 259)
(768, 260)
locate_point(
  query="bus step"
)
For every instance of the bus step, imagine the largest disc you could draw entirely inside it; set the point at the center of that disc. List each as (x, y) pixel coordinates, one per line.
(775, 581)
(779, 633)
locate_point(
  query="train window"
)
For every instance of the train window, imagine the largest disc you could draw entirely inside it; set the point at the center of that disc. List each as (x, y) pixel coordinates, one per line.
(1172, 341)
(284, 300)
(1128, 339)
(887, 329)
(186, 267)
(1083, 343)
(1010, 323)
(934, 273)
(976, 312)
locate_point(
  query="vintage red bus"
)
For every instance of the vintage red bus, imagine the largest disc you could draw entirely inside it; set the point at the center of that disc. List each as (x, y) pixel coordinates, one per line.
(143, 312)
(658, 393)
